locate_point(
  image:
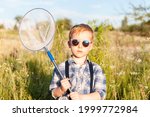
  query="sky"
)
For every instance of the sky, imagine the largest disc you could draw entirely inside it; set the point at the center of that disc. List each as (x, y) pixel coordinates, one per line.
(78, 11)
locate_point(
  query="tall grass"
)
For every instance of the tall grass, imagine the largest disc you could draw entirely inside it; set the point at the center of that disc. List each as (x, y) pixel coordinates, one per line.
(127, 72)
(26, 75)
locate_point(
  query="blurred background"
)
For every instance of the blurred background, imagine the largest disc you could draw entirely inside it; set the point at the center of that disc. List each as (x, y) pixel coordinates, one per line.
(121, 48)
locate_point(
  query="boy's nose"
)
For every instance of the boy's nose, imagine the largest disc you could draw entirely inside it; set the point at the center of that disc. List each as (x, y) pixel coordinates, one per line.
(80, 45)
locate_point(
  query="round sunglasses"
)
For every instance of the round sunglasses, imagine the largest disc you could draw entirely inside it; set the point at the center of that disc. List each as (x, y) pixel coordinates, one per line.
(85, 43)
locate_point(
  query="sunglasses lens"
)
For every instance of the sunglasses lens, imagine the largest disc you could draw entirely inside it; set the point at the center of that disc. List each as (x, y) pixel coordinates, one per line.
(85, 43)
(75, 42)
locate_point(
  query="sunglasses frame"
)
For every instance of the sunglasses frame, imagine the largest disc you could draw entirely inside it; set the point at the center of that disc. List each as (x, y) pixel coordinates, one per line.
(83, 42)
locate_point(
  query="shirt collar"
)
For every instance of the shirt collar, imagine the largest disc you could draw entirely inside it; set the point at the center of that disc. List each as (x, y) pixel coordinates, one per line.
(71, 61)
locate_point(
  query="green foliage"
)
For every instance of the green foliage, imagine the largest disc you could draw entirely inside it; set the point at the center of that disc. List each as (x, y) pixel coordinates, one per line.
(92, 24)
(141, 15)
(142, 29)
(39, 78)
(100, 43)
(25, 78)
(1, 26)
(124, 24)
(9, 34)
(60, 45)
(140, 12)
(18, 21)
(63, 24)
(123, 76)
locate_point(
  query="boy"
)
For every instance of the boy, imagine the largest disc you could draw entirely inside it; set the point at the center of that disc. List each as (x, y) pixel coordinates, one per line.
(80, 42)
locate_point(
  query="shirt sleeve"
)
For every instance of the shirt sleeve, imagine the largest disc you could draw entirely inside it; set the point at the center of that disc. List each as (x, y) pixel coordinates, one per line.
(100, 82)
(55, 82)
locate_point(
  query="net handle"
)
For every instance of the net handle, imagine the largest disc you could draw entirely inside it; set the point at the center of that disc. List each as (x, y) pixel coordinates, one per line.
(53, 61)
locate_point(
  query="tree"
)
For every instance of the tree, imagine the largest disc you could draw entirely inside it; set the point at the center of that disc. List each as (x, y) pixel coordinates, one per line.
(18, 21)
(140, 13)
(1, 26)
(64, 24)
(141, 16)
(124, 24)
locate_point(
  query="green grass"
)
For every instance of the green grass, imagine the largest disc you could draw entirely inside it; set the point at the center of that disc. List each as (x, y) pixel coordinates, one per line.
(25, 75)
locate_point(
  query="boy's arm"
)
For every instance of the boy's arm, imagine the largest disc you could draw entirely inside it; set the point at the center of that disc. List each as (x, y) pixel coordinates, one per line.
(90, 96)
(100, 82)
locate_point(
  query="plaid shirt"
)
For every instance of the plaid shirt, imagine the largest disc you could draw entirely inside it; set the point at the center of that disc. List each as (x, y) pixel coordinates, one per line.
(80, 79)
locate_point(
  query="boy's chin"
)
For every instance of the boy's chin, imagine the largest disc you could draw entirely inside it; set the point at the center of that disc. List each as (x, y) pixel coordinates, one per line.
(79, 56)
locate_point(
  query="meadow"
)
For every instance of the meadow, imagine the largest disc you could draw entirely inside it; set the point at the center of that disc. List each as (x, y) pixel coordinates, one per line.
(124, 58)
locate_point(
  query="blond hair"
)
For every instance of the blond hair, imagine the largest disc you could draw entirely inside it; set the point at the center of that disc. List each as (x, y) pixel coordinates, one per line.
(80, 28)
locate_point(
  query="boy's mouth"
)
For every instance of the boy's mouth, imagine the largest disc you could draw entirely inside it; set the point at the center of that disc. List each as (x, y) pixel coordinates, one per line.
(79, 51)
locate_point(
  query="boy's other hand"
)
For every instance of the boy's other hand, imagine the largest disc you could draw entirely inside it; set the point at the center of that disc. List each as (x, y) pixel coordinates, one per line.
(75, 96)
(65, 84)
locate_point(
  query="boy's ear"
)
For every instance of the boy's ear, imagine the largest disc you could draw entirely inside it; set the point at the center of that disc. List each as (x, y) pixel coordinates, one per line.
(69, 44)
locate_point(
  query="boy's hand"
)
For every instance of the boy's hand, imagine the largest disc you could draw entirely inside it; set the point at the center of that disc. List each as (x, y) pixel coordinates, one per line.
(65, 84)
(75, 96)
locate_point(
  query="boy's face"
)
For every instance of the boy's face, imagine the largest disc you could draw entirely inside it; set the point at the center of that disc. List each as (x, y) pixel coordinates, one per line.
(81, 44)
